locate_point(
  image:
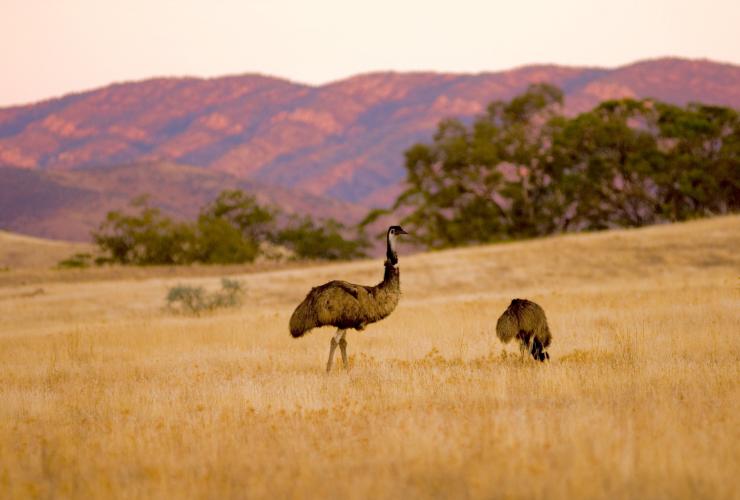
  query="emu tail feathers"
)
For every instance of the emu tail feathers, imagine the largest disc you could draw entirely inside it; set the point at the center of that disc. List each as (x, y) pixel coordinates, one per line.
(545, 336)
(507, 327)
(542, 339)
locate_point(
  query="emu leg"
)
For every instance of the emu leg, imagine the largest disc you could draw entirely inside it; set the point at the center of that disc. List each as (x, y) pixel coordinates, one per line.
(523, 344)
(343, 348)
(537, 350)
(333, 347)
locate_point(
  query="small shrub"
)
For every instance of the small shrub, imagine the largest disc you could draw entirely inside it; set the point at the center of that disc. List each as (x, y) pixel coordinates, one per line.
(195, 300)
(78, 260)
(187, 299)
(230, 294)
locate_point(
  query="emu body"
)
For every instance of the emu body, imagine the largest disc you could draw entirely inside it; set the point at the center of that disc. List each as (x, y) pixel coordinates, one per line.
(346, 305)
(525, 321)
(349, 306)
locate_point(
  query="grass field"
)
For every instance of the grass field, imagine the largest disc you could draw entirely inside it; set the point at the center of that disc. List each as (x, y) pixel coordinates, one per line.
(104, 393)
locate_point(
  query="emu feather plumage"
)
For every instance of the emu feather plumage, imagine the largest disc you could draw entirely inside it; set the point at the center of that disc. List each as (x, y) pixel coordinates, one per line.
(347, 305)
(526, 321)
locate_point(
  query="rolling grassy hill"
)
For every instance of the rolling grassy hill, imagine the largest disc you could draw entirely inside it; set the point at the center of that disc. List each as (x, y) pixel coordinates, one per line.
(26, 252)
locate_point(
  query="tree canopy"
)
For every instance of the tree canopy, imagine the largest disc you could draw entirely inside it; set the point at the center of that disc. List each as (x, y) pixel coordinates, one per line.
(523, 169)
(233, 228)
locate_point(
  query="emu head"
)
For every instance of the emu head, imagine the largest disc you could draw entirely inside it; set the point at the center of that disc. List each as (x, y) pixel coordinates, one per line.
(393, 233)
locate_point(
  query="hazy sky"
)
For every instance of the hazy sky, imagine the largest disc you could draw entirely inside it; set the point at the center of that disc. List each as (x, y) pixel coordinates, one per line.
(52, 47)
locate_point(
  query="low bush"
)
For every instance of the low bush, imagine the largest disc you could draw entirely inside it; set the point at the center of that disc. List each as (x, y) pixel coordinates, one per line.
(196, 300)
(78, 260)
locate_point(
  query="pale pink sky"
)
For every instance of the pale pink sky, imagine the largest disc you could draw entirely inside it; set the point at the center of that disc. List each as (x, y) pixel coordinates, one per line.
(52, 47)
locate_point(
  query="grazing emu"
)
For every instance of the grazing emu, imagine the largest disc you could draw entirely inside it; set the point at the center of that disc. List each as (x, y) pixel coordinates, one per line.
(346, 305)
(526, 321)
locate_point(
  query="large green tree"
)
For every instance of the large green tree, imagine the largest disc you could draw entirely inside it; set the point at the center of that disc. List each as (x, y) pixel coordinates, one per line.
(604, 164)
(701, 149)
(523, 169)
(231, 228)
(477, 183)
(145, 236)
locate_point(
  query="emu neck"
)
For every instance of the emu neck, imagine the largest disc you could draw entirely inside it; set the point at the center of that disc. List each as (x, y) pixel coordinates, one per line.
(391, 277)
(390, 252)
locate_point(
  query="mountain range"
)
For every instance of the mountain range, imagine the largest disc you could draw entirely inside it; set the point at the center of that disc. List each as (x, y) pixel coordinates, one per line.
(333, 150)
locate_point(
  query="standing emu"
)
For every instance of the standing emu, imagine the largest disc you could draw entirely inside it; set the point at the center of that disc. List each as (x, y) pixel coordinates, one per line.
(346, 305)
(526, 321)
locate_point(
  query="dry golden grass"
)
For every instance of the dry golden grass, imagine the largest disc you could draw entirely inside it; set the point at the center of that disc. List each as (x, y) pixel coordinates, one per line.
(105, 394)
